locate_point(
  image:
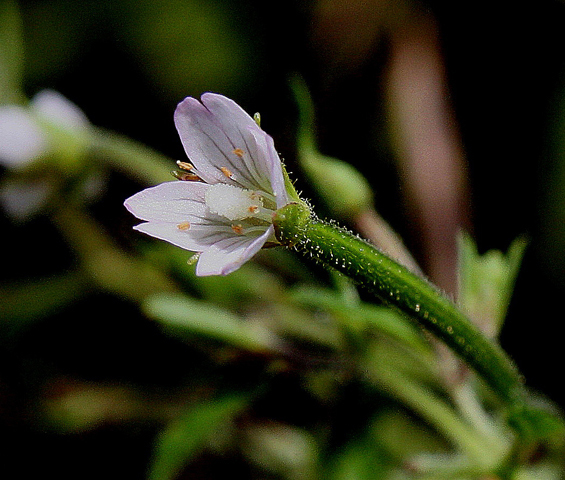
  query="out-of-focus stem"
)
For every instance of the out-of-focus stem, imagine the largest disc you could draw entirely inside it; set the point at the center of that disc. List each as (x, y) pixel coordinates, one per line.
(108, 266)
(427, 144)
(484, 452)
(132, 158)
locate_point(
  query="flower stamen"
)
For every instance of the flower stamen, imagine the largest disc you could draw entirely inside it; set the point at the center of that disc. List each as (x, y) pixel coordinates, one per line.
(192, 260)
(186, 177)
(227, 172)
(185, 165)
(186, 172)
(239, 152)
(184, 226)
(237, 229)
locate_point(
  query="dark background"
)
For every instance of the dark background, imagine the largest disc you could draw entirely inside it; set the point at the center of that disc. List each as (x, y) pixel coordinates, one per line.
(127, 64)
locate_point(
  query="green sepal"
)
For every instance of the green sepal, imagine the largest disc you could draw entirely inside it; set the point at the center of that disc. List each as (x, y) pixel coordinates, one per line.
(187, 317)
(486, 282)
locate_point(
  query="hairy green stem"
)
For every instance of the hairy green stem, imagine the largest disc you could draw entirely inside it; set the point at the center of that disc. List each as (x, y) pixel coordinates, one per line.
(398, 287)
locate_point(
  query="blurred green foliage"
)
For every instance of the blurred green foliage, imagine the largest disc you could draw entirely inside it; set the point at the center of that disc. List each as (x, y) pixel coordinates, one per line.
(116, 361)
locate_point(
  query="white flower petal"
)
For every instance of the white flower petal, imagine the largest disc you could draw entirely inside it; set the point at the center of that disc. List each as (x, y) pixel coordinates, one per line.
(203, 141)
(228, 255)
(230, 116)
(240, 128)
(272, 164)
(173, 202)
(55, 108)
(21, 138)
(217, 141)
(171, 233)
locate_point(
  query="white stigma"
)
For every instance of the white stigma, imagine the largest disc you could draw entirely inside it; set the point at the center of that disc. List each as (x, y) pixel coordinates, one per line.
(234, 203)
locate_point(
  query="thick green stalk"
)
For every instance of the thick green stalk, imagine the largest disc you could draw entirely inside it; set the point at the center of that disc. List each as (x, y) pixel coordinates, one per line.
(400, 288)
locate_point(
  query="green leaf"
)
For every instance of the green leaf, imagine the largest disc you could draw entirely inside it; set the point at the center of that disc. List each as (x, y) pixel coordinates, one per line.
(486, 282)
(186, 317)
(130, 157)
(250, 283)
(11, 53)
(538, 422)
(360, 459)
(186, 436)
(29, 300)
(361, 317)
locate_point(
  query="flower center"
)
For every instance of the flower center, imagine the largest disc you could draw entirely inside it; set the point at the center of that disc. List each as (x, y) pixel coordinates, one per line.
(235, 203)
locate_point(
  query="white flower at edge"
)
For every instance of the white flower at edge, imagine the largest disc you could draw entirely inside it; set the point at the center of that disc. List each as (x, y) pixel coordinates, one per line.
(227, 216)
(21, 137)
(24, 136)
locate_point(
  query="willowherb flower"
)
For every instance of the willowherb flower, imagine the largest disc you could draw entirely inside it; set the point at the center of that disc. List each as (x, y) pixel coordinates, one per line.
(223, 205)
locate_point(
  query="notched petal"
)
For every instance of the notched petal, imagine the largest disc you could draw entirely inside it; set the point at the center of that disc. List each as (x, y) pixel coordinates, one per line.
(218, 137)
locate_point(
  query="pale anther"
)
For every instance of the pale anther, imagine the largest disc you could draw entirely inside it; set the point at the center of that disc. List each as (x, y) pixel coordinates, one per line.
(227, 172)
(183, 226)
(185, 165)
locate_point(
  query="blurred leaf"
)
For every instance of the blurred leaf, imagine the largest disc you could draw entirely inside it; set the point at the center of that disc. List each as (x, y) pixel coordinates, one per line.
(39, 298)
(360, 459)
(401, 436)
(185, 437)
(107, 265)
(362, 317)
(298, 325)
(286, 450)
(11, 53)
(250, 283)
(187, 317)
(486, 282)
(539, 471)
(130, 157)
(435, 410)
(538, 422)
(190, 46)
(84, 406)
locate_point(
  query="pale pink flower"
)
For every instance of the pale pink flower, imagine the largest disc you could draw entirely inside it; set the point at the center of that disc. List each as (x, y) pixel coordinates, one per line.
(237, 183)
